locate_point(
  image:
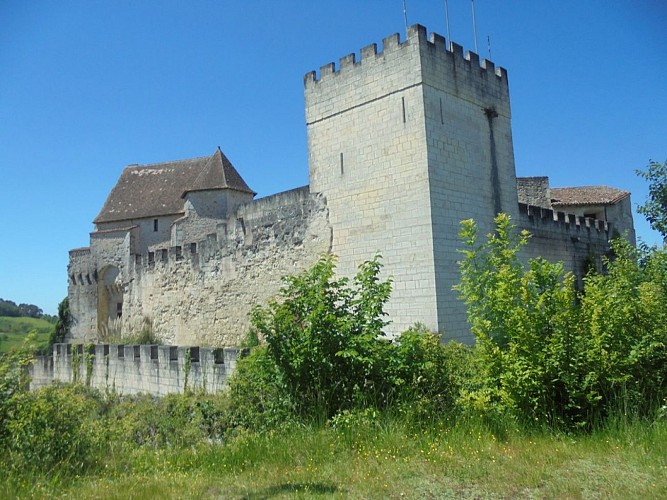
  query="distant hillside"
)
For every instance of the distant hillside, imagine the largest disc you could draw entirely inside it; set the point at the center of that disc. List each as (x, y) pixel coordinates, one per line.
(24, 325)
(14, 330)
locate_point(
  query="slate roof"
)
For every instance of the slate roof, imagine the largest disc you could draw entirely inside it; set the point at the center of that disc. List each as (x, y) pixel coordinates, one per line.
(586, 195)
(158, 189)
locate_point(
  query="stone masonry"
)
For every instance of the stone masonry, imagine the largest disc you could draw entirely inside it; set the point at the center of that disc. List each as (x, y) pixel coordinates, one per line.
(404, 143)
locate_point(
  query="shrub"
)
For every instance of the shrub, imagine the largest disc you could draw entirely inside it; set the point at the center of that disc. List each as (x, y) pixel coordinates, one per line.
(427, 376)
(14, 381)
(259, 399)
(551, 357)
(624, 318)
(324, 334)
(53, 428)
(175, 420)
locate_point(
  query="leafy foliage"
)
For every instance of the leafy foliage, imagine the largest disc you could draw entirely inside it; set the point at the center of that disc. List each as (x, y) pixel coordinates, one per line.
(553, 357)
(259, 398)
(324, 334)
(62, 323)
(13, 382)
(425, 376)
(53, 427)
(655, 208)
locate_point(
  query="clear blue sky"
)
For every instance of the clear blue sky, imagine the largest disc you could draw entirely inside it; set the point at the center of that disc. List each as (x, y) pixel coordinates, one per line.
(88, 87)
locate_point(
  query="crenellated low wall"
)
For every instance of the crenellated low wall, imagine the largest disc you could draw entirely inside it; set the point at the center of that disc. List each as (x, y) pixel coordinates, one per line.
(133, 369)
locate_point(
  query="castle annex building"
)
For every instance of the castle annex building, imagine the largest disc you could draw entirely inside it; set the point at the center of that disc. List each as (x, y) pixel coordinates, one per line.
(403, 144)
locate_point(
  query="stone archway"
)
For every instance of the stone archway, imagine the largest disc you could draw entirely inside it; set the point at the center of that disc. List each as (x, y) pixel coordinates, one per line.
(109, 302)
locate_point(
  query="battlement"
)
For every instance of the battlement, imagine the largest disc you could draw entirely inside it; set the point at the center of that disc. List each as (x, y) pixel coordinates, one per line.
(400, 66)
(576, 222)
(131, 369)
(392, 45)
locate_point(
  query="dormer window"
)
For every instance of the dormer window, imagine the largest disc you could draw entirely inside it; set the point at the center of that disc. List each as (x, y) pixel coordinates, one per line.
(155, 225)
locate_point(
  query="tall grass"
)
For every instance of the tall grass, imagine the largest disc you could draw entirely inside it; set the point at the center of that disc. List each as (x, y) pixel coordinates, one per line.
(379, 456)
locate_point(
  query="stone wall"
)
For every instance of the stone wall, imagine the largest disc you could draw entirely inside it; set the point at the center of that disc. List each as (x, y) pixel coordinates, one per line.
(203, 294)
(534, 191)
(200, 291)
(133, 369)
(559, 237)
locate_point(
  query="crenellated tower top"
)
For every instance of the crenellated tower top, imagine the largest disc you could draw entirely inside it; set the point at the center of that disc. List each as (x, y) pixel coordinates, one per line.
(420, 59)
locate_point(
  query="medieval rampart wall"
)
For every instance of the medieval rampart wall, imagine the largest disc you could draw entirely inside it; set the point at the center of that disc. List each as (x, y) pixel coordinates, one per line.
(559, 237)
(202, 292)
(132, 369)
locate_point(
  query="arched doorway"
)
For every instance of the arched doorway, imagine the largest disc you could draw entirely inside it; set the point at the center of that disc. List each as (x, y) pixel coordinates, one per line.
(109, 302)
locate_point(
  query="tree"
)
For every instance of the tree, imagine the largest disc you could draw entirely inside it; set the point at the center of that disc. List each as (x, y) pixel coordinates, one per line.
(62, 324)
(655, 208)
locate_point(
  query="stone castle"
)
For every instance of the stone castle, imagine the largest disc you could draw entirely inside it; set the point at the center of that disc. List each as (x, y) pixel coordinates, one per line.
(403, 144)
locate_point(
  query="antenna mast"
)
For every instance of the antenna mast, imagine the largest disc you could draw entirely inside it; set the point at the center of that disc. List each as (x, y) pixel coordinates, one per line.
(405, 18)
(449, 35)
(474, 25)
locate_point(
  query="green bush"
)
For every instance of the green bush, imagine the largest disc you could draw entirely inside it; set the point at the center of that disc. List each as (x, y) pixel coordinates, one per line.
(324, 334)
(427, 376)
(14, 381)
(53, 428)
(550, 356)
(63, 323)
(174, 420)
(259, 399)
(624, 319)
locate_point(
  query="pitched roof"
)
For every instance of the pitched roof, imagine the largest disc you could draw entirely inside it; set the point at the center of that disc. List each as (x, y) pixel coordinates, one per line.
(586, 195)
(157, 189)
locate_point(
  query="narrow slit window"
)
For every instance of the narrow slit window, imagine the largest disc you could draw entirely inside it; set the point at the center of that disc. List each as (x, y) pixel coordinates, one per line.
(155, 225)
(442, 116)
(403, 104)
(342, 165)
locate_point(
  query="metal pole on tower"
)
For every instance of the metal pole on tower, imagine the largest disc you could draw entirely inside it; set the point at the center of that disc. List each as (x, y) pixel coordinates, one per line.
(405, 17)
(449, 34)
(474, 25)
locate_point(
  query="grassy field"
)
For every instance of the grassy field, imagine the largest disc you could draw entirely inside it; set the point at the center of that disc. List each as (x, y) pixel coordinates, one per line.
(383, 460)
(14, 330)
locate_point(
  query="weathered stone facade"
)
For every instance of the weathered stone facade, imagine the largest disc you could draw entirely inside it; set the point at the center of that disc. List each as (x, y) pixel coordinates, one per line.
(403, 145)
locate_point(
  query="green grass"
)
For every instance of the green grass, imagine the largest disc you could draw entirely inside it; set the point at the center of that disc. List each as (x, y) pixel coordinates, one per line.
(384, 459)
(14, 330)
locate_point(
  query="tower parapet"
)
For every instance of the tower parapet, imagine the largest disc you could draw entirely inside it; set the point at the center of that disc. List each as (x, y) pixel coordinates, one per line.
(418, 59)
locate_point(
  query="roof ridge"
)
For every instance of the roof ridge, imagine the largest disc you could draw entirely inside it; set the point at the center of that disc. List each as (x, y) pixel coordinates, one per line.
(141, 165)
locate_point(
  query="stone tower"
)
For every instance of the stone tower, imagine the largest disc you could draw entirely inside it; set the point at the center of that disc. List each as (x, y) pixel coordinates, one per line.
(404, 144)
